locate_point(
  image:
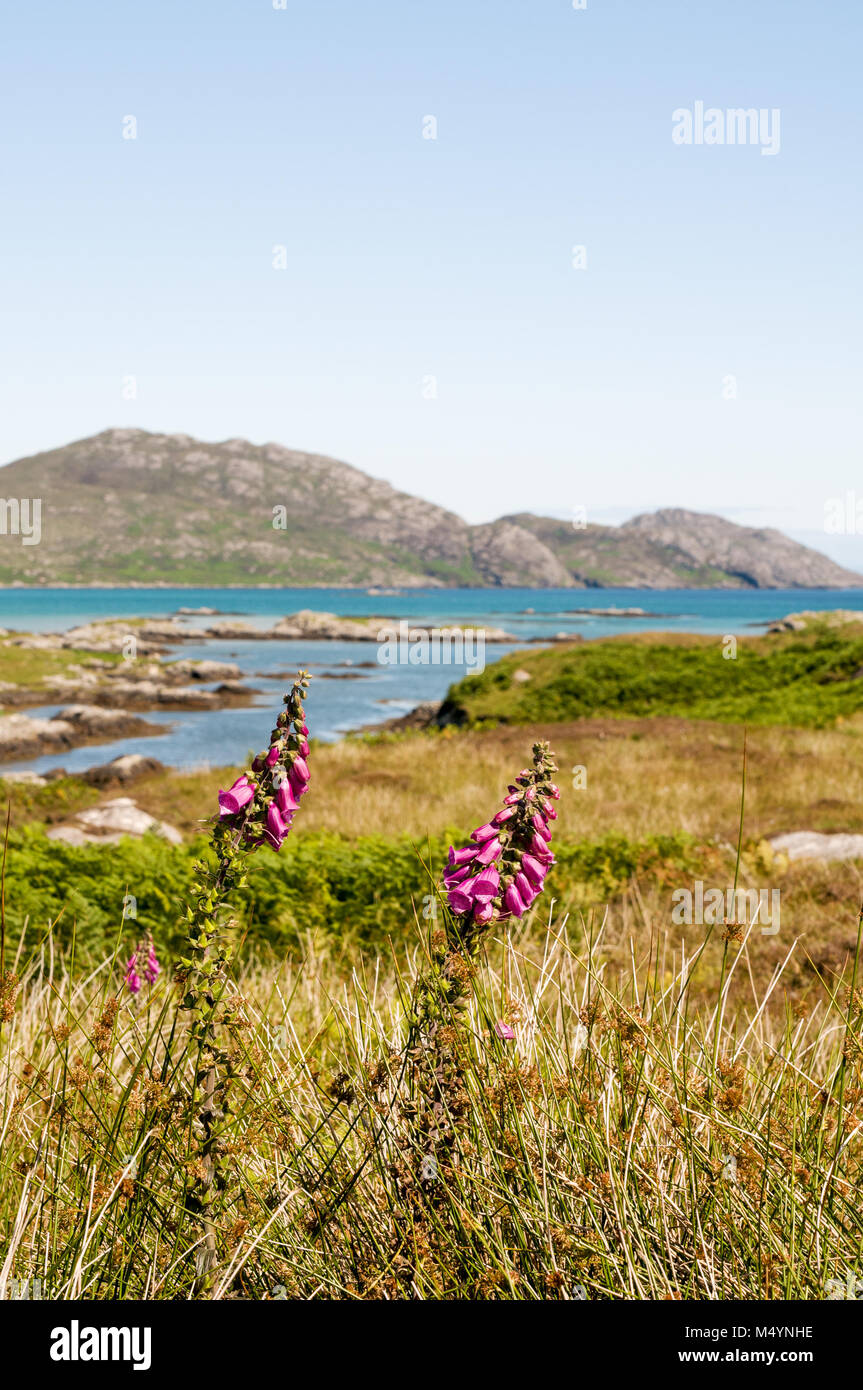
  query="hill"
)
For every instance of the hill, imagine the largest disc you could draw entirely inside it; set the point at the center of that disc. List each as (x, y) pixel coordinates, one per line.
(127, 507)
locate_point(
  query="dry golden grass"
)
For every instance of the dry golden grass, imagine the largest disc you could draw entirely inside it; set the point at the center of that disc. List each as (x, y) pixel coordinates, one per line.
(624, 1144)
(644, 776)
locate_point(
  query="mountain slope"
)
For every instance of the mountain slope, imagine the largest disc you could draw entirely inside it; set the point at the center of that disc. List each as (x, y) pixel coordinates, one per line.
(677, 549)
(130, 507)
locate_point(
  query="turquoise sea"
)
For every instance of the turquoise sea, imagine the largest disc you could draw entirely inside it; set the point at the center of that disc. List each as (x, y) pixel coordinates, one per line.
(376, 692)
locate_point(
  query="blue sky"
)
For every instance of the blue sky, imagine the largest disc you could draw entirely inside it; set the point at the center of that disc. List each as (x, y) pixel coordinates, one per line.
(409, 258)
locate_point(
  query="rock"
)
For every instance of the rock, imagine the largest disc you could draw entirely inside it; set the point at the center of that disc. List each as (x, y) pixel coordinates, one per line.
(798, 622)
(504, 552)
(233, 688)
(187, 697)
(234, 628)
(29, 779)
(787, 625)
(202, 670)
(308, 625)
(71, 835)
(150, 636)
(422, 716)
(325, 627)
(111, 821)
(127, 768)
(92, 720)
(39, 642)
(143, 694)
(521, 676)
(810, 844)
(618, 612)
(22, 736)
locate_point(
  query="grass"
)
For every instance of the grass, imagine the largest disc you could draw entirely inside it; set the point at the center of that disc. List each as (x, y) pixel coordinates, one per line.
(33, 669)
(641, 777)
(677, 1114)
(625, 1144)
(659, 809)
(809, 679)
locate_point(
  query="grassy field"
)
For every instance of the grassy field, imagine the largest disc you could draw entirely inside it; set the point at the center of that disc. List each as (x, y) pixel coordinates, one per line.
(615, 1106)
(806, 679)
(624, 1143)
(650, 805)
(30, 668)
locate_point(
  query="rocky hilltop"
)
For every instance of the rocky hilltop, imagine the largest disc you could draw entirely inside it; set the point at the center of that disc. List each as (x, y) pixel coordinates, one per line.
(128, 507)
(678, 549)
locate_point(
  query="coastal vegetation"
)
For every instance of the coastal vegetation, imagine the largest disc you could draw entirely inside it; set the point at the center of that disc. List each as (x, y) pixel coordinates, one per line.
(331, 1071)
(806, 679)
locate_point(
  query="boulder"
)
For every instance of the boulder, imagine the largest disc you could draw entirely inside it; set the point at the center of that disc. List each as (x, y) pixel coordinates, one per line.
(811, 844)
(202, 670)
(125, 769)
(111, 821)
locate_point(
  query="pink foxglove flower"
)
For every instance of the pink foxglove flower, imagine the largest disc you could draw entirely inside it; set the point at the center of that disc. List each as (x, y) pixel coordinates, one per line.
(484, 887)
(489, 852)
(152, 969)
(460, 901)
(513, 903)
(260, 806)
(239, 795)
(143, 961)
(457, 857)
(503, 871)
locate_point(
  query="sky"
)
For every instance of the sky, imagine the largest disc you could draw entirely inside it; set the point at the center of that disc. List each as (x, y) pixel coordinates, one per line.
(350, 228)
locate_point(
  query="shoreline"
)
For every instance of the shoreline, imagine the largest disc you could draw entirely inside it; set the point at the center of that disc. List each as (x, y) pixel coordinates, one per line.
(405, 590)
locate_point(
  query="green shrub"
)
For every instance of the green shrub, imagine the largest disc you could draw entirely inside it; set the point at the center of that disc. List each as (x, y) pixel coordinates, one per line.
(351, 892)
(808, 681)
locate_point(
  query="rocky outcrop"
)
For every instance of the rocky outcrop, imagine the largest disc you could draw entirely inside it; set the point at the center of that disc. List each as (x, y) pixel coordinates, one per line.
(132, 639)
(309, 625)
(138, 683)
(799, 622)
(759, 558)
(122, 771)
(810, 844)
(24, 737)
(112, 821)
(422, 716)
(506, 554)
(677, 549)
